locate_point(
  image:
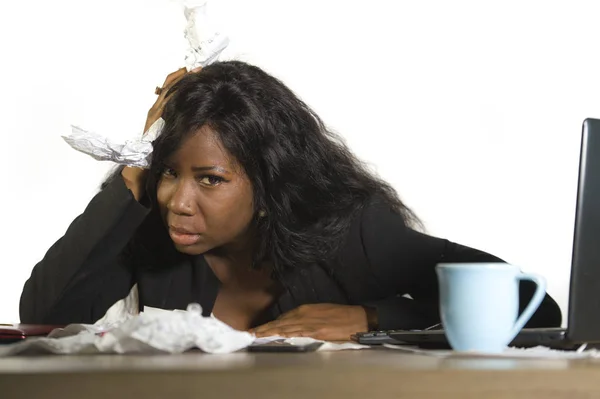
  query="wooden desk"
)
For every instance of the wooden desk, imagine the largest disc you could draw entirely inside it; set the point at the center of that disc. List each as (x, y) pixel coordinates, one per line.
(360, 374)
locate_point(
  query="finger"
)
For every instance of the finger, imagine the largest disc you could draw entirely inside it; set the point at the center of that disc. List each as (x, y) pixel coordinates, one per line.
(298, 312)
(164, 96)
(278, 323)
(294, 330)
(159, 106)
(165, 93)
(317, 331)
(264, 327)
(303, 312)
(294, 313)
(174, 76)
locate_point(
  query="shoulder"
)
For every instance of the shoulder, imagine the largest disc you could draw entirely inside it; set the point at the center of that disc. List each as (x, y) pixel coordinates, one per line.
(375, 243)
(352, 267)
(378, 218)
(375, 220)
(380, 238)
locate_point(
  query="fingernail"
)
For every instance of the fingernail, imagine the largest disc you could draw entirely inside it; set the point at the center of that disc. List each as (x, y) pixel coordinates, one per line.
(197, 69)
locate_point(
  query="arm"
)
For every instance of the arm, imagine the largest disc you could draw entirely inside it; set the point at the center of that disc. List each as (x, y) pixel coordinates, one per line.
(86, 271)
(403, 261)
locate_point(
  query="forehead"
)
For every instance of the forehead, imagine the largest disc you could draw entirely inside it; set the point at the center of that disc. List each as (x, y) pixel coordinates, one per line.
(203, 148)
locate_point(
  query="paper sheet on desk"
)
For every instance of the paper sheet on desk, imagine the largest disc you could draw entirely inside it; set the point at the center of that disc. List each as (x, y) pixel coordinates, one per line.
(327, 346)
(538, 352)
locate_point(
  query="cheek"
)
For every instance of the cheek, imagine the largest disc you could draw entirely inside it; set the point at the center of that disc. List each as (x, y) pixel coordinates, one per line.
(164, 192)
(231, 206)
(245, 198)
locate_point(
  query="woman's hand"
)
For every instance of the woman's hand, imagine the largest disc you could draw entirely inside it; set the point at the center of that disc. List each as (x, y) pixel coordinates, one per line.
(323, 321)
(157, 108)
(135, 178)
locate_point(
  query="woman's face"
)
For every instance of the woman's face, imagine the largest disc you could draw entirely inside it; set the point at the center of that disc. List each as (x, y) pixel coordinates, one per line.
(205, 197)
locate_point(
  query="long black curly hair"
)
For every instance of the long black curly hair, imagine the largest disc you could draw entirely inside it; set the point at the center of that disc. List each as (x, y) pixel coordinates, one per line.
(303, 175)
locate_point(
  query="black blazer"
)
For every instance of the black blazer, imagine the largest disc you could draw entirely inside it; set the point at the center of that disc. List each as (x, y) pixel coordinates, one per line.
(105, 252)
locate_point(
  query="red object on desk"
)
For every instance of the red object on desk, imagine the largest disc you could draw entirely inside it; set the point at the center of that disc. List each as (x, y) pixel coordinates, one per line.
(15, 332)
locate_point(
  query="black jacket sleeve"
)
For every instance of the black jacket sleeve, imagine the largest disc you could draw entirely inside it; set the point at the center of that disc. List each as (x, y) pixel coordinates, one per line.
(403, 262)
(86, 270)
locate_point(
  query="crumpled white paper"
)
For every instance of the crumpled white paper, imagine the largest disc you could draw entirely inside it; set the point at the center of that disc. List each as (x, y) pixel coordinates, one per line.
(206, 43)
(136, 152)
(159, 331)
(121, 311)
(123, 329)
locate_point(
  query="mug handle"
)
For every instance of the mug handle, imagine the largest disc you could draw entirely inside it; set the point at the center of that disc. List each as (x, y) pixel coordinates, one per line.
(535, 302)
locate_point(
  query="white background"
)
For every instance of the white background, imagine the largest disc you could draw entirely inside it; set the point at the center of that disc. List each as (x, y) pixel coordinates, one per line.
(471, 109)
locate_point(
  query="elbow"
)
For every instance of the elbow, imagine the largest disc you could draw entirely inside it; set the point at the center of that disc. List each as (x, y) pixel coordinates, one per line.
(27, 308)
(32, 308)
(547, 315)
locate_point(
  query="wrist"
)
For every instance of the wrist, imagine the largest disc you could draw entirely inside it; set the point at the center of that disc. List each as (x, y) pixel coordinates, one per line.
(134, 180)
(372, 319)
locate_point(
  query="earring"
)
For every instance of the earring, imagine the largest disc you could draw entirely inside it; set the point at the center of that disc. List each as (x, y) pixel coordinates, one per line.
(262, 213)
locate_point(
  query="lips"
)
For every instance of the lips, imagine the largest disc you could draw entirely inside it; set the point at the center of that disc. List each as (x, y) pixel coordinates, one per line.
(182, 236)
(181, 230)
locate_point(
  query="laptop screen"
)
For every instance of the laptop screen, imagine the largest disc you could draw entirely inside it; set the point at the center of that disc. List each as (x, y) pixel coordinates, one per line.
(584, 294)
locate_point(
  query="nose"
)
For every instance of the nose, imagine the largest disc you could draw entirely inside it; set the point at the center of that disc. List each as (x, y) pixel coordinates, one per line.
(182, 201)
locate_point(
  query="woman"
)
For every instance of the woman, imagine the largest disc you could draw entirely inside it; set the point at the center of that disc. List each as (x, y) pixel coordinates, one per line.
(257, 212)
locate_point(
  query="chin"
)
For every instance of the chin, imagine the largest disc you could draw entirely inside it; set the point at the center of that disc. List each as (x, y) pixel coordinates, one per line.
(192, 249)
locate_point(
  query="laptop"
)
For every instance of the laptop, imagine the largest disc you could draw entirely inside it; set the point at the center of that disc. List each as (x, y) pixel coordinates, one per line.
(583, 324)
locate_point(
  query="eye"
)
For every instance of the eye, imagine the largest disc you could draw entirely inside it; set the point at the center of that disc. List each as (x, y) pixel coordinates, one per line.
(211, 180)
(168, 172)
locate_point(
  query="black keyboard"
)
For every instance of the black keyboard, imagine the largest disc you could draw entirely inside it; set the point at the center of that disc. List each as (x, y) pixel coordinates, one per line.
(383, 337)
(434, 337)
(374, 338)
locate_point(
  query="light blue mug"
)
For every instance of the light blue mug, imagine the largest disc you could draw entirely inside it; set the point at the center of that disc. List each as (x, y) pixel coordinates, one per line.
(479, 304)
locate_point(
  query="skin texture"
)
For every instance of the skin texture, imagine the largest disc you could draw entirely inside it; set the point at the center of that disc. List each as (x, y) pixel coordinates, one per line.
(135, 178)
(324, 321)
(205, 200)
(204, 195)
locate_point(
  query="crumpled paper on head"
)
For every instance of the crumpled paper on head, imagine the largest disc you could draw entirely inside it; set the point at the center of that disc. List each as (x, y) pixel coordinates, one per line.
(205, 45)
(206, 41)
(136, 152)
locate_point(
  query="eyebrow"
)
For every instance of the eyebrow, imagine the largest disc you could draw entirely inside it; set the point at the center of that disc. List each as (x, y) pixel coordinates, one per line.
(208, 168)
